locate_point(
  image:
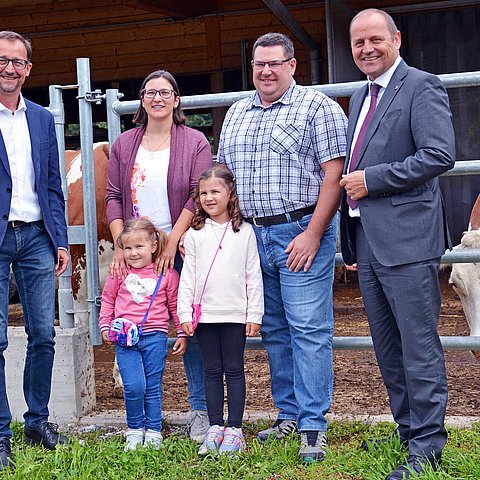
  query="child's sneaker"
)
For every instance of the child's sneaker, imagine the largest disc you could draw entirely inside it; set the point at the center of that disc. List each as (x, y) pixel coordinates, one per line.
(153, 439)
(233, 441)
(133, 438)
(213, 440)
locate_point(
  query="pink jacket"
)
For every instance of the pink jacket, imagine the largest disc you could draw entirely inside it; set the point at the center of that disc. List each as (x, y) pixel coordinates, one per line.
(130, 297)
(190, 155)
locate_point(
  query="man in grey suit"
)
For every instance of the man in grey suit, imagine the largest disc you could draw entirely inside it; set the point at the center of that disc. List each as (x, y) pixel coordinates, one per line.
(400, 139)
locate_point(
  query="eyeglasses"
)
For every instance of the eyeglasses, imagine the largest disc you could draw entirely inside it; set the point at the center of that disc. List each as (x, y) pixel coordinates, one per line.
(18, 63)
(273, 65)
(165, 93)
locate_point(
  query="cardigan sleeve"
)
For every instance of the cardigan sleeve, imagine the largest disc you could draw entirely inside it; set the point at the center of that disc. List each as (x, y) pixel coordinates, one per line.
(113, 196)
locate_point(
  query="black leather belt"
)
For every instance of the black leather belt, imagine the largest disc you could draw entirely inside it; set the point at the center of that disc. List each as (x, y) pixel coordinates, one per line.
(20, 223)
(282, 217)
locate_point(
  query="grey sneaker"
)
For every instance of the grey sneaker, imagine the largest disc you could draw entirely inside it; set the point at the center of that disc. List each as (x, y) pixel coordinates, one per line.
(313, 446)
(197, 425)
(280, 429)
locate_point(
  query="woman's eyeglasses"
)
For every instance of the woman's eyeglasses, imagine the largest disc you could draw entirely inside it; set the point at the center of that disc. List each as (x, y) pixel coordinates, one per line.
(165, 93)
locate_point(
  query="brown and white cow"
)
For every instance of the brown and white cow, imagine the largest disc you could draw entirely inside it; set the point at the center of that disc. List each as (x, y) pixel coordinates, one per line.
(105, 244)
(465, 277)
(75, 217)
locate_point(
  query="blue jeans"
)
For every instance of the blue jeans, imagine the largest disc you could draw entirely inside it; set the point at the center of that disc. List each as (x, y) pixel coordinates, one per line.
(297, 328)
(193, 364)
(29, 250)
(141, 368)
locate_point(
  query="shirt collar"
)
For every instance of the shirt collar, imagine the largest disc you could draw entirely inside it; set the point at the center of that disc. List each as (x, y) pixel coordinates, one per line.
(21, 105)
(384, 79)
(285, 99)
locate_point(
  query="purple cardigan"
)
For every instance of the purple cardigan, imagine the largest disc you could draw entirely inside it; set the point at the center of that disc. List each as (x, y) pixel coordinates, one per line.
(190, 155)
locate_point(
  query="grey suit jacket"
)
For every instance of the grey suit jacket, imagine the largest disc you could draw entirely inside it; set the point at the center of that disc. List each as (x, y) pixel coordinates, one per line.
(409, 142)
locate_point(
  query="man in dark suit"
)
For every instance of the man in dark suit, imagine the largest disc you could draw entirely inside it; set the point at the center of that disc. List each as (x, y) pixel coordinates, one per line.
(33, 239)
(400, 139)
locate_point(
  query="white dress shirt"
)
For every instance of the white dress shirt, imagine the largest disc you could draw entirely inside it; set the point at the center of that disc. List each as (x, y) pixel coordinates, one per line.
(16, 136)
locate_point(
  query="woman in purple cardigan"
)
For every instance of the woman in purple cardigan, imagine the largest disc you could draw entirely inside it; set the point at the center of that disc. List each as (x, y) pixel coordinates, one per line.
(152, 172)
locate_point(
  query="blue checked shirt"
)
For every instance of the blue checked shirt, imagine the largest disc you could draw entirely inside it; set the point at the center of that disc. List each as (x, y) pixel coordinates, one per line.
(276, 152)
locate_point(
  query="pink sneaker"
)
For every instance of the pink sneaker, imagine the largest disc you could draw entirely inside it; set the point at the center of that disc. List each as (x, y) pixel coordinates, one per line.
(213, 440)
(233, 441)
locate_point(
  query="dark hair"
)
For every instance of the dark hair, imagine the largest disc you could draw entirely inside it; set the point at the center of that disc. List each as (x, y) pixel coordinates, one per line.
(226, 177)
(13, 37)
(273, 39)
(392, 27)
(141, 116)
(154, 234)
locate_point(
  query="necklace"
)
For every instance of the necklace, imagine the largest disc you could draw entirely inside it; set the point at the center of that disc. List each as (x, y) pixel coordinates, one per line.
(216, 236)
(152, 152)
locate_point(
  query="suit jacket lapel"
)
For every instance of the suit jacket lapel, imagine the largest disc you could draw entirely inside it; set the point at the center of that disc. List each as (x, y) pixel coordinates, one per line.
(4, 156)
(391, 91)
(33, 122)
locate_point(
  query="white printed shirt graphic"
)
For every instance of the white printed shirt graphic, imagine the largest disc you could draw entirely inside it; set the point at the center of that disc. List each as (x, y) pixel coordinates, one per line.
(139, 287)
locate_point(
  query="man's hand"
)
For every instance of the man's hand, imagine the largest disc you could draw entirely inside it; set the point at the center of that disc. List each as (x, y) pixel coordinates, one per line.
(62, 262)
(302, 250)
(354, 184)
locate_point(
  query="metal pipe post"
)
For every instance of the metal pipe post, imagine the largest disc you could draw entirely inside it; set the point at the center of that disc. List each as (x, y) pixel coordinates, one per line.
(113, 118)
(65, 294)
(89, 204)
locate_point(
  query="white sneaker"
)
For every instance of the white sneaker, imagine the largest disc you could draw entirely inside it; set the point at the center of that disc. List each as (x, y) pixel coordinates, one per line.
(233, 441)
(133, 438)
(212, 441)
(153, 439)
(197, 425)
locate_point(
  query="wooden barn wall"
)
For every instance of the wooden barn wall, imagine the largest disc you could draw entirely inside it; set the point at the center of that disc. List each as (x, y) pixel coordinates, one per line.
(71, 29)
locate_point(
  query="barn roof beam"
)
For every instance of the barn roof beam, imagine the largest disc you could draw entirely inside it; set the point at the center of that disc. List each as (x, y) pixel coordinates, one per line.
(282, 13)
(175, 8)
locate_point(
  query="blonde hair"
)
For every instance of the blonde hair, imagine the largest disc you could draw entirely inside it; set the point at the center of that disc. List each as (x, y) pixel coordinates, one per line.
(226, 177)
(154, 234)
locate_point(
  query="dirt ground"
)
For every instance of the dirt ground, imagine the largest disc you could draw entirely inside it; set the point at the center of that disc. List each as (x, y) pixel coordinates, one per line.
(358, 386)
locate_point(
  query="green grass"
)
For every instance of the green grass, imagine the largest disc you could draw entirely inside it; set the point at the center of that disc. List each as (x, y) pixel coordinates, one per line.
(101, 457)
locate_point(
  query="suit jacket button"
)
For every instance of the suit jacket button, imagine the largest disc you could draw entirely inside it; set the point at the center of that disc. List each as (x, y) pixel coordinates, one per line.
(9, 190)
(5, 217)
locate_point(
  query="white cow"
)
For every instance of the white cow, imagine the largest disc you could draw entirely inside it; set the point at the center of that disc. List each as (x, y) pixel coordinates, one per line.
(465, 277)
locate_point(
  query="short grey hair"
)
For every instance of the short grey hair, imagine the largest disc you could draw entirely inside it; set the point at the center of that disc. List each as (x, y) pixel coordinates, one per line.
(13, 37)
(273, 39)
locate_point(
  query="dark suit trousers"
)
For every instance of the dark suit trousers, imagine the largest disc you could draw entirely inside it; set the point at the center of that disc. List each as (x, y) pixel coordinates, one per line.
(403, 306)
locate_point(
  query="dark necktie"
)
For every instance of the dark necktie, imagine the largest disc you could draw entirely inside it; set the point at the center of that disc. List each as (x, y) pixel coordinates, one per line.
(374, 89)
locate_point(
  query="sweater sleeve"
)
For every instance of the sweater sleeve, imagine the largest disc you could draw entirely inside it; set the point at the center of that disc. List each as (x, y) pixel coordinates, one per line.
(203, 160)
(113, 196)
(253, 275)
(172, 294)
(109, 296)
(186, 291)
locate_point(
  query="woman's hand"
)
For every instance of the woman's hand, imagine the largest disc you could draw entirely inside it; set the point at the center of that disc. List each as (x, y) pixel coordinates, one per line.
(118, 266)
(187, 328)
(252, 329)
(166, 259)
(180, 346)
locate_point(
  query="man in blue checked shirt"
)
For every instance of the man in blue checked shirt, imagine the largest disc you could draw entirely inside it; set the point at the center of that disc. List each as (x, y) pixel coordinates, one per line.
(286, 146)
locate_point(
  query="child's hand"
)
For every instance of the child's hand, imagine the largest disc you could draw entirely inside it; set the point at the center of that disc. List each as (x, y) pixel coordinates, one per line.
(252, 329)
(105, 337)
(187, 328)
(180, 346)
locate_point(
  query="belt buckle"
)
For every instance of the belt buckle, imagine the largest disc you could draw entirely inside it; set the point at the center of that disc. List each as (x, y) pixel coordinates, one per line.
(15, 223)
(254, 220)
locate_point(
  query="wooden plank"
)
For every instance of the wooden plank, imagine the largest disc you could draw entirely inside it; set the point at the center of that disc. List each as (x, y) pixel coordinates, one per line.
(213, 43)
(175, 8)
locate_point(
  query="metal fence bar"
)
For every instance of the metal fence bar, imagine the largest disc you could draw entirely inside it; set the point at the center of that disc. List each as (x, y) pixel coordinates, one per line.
(115, 109)
(89, 203)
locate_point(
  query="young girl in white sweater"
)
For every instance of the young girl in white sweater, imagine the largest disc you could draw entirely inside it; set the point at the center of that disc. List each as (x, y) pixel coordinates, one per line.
(222, 272)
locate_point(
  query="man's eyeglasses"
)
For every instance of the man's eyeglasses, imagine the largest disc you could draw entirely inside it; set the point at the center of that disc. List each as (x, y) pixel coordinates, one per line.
(165, 93)
(18, 63)
(273, 65)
